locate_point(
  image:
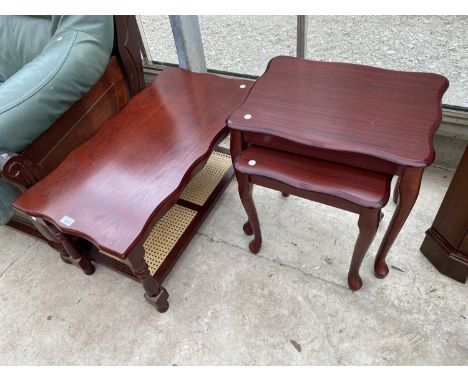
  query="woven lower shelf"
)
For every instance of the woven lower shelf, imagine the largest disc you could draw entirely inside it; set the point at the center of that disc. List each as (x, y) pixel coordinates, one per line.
(176, 228)
(165, 235)
(203, 184)
(169, 229)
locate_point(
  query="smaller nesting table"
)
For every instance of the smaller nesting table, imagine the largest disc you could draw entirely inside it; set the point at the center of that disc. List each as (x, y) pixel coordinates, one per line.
(337, 133)
(352, 189)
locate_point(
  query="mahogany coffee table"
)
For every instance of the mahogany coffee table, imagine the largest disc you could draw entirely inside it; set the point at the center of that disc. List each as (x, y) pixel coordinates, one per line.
(119, 185)
(359, 116)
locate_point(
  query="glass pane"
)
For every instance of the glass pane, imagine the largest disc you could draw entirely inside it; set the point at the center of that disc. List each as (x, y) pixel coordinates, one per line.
(245, 44)
(436, 44)
(158, 34)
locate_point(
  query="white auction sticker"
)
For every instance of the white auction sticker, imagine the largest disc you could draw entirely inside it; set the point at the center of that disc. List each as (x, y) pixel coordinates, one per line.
(67, 220)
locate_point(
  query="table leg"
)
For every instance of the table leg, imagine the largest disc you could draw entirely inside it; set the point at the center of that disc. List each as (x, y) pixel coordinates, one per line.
(395, 191)
(73, 251)
(408, 187)
(52, 239)
(155, 294)
(252, 226)
(368, 223)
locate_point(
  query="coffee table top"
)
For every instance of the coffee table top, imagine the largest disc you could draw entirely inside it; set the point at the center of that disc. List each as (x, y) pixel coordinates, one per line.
(351, 108)
(112, 188)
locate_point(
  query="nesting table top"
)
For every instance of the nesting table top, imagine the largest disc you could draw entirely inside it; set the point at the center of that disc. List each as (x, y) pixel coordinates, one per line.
(351, 108)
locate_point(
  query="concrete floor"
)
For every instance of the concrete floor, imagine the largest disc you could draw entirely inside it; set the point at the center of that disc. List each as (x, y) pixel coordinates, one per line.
(288, 305)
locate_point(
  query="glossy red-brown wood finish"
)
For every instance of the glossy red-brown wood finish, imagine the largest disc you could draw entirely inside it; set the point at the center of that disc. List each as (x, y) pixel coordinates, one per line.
(155, 294)
(365, 188)
(446, 242)
(357, 109)
(371, 118)
(202, 213)
(133, 169)
(359, 191)
(128, 44)
(103, 100)
(408, 186)
(353, 159)
(352, 189)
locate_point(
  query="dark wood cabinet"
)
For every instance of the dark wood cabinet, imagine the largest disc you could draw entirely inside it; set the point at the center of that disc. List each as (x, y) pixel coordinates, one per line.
(446, 242)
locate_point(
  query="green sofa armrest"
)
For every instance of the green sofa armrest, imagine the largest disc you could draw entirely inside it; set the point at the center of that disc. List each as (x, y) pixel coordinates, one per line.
(36, 95)
(33, 98)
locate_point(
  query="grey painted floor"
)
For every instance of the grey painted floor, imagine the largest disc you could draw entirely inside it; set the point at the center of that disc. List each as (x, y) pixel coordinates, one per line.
(231, 307)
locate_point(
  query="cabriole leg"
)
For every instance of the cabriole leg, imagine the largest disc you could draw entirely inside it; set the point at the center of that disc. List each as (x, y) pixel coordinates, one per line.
(252, 226)
(368, 223)
(395, 191)
(408, 187)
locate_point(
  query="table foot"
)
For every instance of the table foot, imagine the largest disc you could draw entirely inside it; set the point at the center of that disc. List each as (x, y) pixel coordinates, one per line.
(285, 194)
(155, 294)
(159, 301)
(247, 227)
(381, 269)
(354, 282)
(89, 270)
(255, 246)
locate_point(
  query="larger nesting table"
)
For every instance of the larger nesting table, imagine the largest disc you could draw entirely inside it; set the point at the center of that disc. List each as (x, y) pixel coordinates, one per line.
(355, 115)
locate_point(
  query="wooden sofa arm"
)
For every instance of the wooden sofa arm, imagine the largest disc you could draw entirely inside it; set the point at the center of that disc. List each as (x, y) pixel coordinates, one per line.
(15, 170)
(105, 99)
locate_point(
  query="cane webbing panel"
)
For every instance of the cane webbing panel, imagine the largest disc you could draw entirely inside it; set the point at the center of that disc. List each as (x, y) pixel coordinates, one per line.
(202, 185)
(169, 229)
(165, 234)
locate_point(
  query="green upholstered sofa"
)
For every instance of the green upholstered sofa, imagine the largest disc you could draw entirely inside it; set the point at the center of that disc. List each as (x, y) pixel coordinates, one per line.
(47, 63)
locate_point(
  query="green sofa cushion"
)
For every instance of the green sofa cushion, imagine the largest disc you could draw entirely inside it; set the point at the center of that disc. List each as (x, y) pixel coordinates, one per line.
(22, 39)
(36, 94)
